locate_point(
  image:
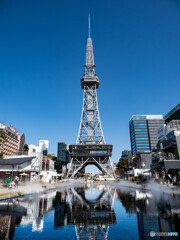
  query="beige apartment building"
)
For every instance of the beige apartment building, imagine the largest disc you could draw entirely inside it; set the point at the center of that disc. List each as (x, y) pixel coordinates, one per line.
(11, 146)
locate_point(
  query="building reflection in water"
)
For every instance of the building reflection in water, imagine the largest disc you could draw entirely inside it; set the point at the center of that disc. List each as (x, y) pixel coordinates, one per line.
(10, 217)
(61, 209)
(157, 212)
(24, 211)
(90, 210)
(36, 207)
(7, 227)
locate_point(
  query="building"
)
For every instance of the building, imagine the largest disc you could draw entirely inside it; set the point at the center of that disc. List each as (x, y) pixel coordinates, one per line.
(63, 157)
(16, 165)
(43, 165)
(168, 146)
(35, 165)
(169, 139)
(126, 153)
(140, 165)
(21, 142)
(143, 132)
(43, 145)
(38, 151)
(173, 114)
(35, 151)
(10, 146)
(48, 172)
(168, 135)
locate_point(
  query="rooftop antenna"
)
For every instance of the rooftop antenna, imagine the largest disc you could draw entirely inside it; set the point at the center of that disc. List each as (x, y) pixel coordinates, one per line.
(89, 26)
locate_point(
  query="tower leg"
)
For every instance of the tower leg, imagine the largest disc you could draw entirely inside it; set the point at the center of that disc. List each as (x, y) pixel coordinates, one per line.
(76, 165)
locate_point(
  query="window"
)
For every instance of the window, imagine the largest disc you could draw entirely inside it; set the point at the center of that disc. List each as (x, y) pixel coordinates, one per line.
(141, 129)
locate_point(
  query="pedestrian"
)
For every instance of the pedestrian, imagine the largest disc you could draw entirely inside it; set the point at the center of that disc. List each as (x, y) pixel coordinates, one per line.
(156, 177)
(170, 179)
(12, 184)
(167, 179)
(8, 181)
(141, 177)
(143, 181)
(163, 178)
(174, 179)
(16, 180)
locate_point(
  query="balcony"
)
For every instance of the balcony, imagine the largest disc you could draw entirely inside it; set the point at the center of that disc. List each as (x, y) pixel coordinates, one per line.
(174, 125)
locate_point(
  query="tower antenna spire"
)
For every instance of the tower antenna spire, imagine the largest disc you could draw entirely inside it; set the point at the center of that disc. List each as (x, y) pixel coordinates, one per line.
(89, 26)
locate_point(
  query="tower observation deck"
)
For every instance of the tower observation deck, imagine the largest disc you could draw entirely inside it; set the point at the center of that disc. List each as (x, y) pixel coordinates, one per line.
(90, 147)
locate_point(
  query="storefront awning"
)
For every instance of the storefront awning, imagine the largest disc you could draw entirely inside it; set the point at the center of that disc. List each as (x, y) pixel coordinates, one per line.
(171, 164)
(15, 161)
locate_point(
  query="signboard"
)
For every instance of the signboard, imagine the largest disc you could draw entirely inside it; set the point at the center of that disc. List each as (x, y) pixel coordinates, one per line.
(13, 128)
(161, 133)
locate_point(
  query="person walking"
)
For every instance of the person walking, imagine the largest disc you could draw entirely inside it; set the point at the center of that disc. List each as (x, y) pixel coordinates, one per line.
(156, 177)
(16, 180)
(8, 181)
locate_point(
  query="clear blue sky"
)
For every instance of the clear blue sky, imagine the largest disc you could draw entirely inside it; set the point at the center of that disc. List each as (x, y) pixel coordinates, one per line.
(42, 54)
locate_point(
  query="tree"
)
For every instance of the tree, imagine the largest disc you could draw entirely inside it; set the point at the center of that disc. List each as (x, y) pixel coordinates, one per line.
(25, 149)
(51, 156)
(3, 139)
(123, 163)
(3, 136)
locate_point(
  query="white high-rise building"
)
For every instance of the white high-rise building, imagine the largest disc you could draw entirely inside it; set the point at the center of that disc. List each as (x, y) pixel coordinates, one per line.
(38, 150)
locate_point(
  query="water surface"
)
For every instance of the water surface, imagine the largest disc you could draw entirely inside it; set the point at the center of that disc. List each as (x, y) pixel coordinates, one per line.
(93, 211)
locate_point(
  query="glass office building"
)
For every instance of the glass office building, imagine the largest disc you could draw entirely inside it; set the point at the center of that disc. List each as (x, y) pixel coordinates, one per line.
(63, 157)
(143, 132)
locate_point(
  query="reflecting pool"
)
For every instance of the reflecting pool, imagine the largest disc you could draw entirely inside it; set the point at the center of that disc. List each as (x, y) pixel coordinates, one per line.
(92, 211)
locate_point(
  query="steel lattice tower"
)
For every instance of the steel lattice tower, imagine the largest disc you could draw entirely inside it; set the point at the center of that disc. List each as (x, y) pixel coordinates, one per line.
(90, 146)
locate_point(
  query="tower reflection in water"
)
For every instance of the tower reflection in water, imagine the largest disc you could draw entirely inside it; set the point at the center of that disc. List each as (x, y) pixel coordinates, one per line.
(91, 218)
(90, 210)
